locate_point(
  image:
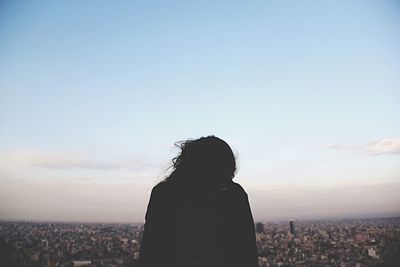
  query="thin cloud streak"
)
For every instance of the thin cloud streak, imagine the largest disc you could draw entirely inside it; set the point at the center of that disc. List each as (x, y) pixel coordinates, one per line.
(72, 161)
(378, 147)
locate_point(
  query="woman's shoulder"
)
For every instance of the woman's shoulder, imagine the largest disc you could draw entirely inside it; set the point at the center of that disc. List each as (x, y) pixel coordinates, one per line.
(165, 189)
(161, 187)
(237, 188)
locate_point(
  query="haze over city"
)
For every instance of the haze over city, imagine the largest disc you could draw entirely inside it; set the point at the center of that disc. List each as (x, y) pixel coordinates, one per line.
(93, 98)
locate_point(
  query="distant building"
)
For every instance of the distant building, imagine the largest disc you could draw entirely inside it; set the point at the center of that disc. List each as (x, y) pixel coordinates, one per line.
(140, 236)
(81, 263)
(259, 227)
(45, 243)
(292, 229)
(372, 253)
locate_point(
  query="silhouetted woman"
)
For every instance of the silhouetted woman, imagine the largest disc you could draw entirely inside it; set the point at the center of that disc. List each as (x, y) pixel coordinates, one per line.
(197, 216)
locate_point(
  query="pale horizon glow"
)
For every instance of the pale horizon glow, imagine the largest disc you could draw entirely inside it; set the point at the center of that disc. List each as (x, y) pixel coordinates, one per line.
(94, 96)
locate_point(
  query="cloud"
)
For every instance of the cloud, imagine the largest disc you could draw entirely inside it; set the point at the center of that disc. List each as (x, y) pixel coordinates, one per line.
(378, 147)
(384, 146)
(71, 161)
(68, 162)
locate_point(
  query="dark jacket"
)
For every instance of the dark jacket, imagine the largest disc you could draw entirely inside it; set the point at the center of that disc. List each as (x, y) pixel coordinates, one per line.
(198, 227)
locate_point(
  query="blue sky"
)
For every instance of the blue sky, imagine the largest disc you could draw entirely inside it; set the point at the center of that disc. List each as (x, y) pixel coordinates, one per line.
(94, 94)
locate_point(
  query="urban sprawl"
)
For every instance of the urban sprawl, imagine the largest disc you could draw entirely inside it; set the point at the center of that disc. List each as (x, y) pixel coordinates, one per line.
(343, 243)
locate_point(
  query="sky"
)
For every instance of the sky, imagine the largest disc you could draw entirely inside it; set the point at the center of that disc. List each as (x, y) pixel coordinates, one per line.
(94, 94)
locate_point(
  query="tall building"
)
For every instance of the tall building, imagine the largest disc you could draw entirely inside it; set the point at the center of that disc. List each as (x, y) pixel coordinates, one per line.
(292, 229)
(259, 227)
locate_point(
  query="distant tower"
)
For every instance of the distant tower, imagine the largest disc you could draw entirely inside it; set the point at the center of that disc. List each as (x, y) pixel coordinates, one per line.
(292, 230)
(140, 236)
(259, 227)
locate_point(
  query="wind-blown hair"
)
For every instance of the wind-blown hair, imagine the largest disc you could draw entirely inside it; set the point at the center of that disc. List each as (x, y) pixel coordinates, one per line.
(207, 161)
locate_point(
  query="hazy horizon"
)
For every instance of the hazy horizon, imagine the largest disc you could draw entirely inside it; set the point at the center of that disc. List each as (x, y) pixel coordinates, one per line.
(94, 96)
(282, 220)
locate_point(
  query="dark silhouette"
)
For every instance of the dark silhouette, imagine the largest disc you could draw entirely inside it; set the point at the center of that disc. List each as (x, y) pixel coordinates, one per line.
(198, 216)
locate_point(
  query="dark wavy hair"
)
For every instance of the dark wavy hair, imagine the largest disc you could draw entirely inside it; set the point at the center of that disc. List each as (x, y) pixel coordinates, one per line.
(206, 161)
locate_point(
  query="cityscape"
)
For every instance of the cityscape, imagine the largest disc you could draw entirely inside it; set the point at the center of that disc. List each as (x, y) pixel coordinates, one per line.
(297, 243)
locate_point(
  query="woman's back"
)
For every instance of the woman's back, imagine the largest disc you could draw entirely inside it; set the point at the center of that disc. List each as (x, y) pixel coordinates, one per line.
(199, 228)
(197, 216)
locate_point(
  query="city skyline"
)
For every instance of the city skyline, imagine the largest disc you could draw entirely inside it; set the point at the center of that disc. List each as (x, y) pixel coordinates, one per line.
(368, 242)
(93, 98)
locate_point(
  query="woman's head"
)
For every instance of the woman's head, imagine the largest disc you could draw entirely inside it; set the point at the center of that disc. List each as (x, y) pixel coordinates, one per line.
(207, 160)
